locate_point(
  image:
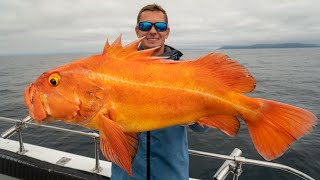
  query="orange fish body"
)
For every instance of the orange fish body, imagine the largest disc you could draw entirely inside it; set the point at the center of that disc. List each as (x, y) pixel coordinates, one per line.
(124, 91)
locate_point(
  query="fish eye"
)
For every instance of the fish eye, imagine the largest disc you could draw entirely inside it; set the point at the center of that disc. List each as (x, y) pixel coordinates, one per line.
(54, 79)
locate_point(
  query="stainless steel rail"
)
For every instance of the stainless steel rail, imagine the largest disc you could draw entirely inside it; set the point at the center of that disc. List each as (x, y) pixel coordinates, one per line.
(244, 160)
(20, 124)
(232, 163)
(27, 120)
(229, 166)
(14, 129)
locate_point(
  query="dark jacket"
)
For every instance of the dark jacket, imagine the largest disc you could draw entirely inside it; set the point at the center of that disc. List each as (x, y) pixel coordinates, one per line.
(163, 153)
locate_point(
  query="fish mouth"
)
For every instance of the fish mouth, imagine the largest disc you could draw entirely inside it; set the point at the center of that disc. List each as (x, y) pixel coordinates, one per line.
(33, 102)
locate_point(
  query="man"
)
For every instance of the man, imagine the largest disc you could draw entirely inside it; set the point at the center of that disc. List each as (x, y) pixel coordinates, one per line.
(163, 153)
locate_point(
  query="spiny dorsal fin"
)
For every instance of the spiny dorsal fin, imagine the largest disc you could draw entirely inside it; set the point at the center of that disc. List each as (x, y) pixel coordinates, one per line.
(106, 47)
(129, 52)
(117, 42)
(134, 45)
(141, 55)
(116, 45)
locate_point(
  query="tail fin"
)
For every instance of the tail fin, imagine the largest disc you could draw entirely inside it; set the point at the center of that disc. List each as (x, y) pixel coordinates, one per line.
(276, 126)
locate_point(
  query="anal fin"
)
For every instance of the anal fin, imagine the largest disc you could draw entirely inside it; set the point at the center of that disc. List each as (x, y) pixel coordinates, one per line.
(226, 123)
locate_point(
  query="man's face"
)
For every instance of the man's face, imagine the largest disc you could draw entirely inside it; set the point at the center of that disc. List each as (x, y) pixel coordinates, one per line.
(153, 37)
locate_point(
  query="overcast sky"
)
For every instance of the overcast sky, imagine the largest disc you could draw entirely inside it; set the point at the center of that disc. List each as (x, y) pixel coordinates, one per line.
(41, 26)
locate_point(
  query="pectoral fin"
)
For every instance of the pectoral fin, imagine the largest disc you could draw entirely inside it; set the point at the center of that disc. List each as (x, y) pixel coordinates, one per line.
(228, 124)
(117, 146)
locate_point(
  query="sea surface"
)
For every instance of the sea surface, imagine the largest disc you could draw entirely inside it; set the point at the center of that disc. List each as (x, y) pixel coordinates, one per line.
(288, 75)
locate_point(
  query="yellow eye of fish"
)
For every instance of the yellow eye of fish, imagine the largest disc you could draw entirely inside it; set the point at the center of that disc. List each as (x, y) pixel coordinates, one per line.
(54, 79)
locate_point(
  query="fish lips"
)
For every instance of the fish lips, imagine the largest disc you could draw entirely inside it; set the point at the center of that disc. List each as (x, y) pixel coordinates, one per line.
(33, 102)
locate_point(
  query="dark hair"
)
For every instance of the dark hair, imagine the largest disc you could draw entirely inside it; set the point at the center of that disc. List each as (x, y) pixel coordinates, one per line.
(153, 7)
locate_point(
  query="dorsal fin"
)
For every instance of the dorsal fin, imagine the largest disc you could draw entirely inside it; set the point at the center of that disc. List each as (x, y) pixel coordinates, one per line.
(142, 55)
(116, 45)
(212, 69)
(134, 45)
(106, 47)
(224, 71)
(129, 52)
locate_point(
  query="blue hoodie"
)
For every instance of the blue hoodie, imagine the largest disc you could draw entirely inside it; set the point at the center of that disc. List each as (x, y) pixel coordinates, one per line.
(162, 154)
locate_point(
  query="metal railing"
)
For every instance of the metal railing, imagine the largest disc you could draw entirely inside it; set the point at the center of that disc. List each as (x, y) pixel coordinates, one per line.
(232, 164)
(20, 124)
(234, 161)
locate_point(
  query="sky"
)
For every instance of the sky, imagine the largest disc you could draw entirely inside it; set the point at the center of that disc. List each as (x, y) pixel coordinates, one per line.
(47, 26)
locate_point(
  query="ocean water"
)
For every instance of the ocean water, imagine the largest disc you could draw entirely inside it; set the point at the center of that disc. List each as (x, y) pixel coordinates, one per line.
(287, 75)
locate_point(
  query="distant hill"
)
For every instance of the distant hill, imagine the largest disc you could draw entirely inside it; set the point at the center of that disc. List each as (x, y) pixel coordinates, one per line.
(282, 45)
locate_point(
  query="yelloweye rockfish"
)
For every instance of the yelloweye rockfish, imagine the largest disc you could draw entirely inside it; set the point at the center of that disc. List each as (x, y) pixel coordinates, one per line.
(123, 91)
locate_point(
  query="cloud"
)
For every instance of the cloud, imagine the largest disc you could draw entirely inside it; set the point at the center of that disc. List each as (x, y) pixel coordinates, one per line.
(40, 26)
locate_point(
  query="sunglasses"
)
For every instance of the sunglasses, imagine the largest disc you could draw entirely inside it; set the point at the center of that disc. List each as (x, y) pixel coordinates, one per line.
(159, 26)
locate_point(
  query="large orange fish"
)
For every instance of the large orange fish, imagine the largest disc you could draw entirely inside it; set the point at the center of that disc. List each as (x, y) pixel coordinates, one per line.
(122, 92)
